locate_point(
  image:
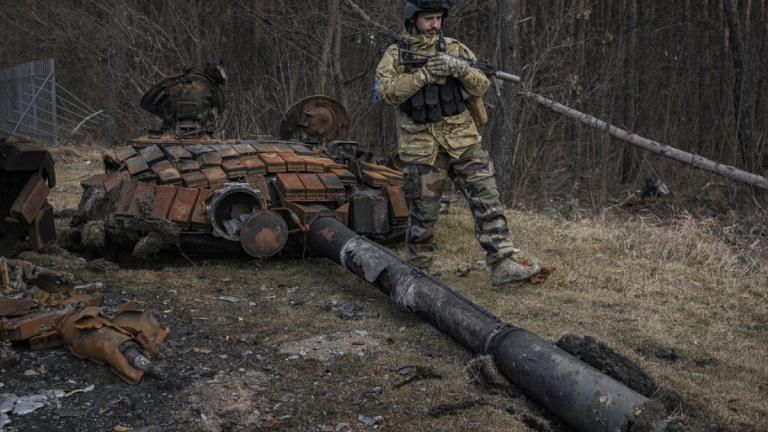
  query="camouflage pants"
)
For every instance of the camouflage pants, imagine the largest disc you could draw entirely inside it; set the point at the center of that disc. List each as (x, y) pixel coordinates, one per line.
(472, 173)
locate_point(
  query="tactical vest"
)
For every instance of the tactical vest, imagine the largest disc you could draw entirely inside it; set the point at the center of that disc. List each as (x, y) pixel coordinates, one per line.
(435, 101)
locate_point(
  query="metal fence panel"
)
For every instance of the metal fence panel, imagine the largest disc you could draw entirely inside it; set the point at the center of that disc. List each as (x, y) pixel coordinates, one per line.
(28, 100)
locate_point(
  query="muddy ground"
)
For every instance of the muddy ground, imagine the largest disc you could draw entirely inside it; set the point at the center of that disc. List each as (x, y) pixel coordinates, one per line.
(299, 344)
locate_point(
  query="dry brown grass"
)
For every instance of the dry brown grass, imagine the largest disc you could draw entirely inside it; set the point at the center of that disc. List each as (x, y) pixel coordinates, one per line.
(638, 287)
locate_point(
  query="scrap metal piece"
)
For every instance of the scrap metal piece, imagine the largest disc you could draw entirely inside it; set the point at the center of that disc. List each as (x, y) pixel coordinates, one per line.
(30, 200)
(90, 335)
(42, 231)
(144, 326)
(583, 397)
(264, 234)
(10, 307)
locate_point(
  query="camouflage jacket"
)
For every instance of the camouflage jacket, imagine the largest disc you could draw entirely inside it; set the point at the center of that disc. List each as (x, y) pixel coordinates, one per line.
(418, 143)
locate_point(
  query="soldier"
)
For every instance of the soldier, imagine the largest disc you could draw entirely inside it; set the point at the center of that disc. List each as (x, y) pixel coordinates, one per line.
(189, 103)
(439, 139)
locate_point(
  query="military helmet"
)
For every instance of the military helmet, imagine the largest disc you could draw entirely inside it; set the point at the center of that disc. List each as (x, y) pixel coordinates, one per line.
(412, 7)
(216, 72)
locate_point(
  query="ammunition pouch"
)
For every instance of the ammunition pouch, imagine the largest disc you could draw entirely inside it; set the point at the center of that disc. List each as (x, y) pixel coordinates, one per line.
(435, 101)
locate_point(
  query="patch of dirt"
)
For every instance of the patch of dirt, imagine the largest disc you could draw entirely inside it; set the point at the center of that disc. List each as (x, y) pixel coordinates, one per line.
(327, 347)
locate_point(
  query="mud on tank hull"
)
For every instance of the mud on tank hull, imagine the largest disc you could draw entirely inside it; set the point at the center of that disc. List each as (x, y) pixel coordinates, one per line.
(256, 196)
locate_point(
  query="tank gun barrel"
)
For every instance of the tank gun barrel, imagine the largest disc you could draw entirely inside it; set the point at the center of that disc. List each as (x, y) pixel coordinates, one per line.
(583, 397)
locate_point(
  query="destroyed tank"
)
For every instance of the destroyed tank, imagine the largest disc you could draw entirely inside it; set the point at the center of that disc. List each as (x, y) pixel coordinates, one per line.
(257, 195)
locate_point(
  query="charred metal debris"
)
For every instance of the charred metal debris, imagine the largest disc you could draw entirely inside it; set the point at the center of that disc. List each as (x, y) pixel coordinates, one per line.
(26, 177)
(45, 309)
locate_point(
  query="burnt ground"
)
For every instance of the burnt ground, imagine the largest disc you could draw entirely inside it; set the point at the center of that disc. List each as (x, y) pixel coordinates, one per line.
(229, 368)
(672, 308)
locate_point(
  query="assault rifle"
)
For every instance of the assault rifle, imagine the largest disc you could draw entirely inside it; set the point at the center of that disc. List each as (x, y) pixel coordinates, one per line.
(414, 59)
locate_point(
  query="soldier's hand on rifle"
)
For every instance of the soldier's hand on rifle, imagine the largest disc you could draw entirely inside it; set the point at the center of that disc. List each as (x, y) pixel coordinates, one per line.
(429, 78)
(443, 65)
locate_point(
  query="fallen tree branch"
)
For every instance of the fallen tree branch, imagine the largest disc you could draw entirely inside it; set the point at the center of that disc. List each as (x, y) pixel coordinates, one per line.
(696, 161)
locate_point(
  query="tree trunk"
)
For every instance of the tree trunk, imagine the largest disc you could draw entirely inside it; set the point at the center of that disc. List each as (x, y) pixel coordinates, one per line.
(324, 68)
(501, 133)
(741, 112)
(629, 162)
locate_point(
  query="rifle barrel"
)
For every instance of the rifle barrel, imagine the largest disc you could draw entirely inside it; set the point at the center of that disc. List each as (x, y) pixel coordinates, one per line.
(504, 76)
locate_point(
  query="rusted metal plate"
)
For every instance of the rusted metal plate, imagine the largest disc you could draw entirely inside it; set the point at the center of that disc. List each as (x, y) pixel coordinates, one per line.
(136, 165)
(124, 198)
(397, 203)
(177, 152)
(301, 149)
(264, 148)
(216, 177)
(233, 168)
(281, 147)
(164, 196)
(195, 179)
(42, 231)
(124, 153)
(258, 181)
(313, 186)
(187, 165)
(227, 151)
(152, 154)
(244, 149)
(342, 213)
(199, 149)
(394, 177)
(30, 199)
(95, 180)
(307, 214)
(113, 181)
(210, 159)
(334, 189)
(142, 200)
(273, 161)
(373, 178)
(200, 213)
(290, 186)
(264, 234)
(345, 176)
(313, 164)
(10, 307)
(329, 164)
(183, 205)
(166, 172)
(293, 162)
(147, 176)
(253, 164)
(21, 329)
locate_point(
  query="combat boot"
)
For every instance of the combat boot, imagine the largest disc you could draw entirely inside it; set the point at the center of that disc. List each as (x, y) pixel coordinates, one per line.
(508, 270)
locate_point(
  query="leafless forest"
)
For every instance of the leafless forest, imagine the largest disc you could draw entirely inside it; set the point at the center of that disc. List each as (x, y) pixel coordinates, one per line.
(689, 73)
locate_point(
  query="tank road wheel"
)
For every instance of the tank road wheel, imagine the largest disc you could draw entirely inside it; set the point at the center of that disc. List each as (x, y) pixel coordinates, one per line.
(264, 234)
